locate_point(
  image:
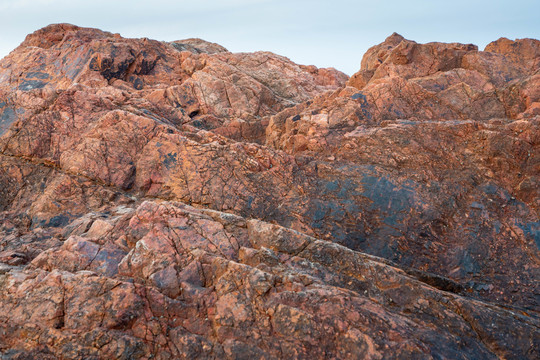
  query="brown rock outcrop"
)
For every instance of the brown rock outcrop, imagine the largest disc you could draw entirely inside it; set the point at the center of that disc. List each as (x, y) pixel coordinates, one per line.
(205, 284)
(176, 200)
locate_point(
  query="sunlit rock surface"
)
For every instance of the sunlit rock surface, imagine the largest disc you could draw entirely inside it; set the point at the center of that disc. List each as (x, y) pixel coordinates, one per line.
(176, 200)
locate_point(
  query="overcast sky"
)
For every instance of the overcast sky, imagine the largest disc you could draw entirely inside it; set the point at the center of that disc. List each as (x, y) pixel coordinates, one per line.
(324, 33)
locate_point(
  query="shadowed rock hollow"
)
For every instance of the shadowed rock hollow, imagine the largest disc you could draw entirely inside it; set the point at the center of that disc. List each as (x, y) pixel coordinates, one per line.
(176, 200)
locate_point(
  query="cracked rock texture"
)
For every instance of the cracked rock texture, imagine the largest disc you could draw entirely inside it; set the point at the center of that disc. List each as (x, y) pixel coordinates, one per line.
(178, 201)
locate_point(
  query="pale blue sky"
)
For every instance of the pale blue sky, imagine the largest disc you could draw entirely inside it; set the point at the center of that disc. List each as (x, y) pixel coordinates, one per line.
(324, 33)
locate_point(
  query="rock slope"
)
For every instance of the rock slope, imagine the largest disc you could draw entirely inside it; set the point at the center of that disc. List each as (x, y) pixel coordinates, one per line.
(175, 200)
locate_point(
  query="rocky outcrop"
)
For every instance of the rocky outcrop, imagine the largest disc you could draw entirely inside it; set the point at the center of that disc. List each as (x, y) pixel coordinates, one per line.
(179, 282)
(176, 200)
(205, 86)
(449, 81)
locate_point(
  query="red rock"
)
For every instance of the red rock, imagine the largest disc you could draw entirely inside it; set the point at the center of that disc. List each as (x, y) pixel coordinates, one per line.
(520, 50)
(176, 200)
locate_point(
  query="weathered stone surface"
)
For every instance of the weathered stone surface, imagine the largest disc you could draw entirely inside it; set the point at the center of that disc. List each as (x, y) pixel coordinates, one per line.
(175, 200)
(198, 46)
(402, 79)
(206, 279)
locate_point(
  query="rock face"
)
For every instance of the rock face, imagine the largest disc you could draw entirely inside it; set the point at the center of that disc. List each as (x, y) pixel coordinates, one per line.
(175, 200)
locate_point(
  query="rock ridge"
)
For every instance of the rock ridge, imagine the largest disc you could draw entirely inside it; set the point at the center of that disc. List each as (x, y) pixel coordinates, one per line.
(176, 200)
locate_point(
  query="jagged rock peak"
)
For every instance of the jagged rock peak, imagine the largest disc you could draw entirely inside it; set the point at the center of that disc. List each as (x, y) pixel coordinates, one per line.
(394, 39)
(53, 34)
(519, 49)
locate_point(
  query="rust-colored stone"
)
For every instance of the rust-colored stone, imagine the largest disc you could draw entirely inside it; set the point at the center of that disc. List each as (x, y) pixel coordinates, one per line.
(176, 200)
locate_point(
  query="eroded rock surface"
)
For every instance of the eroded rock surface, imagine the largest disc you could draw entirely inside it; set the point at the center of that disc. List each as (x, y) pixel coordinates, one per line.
(176, 200)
